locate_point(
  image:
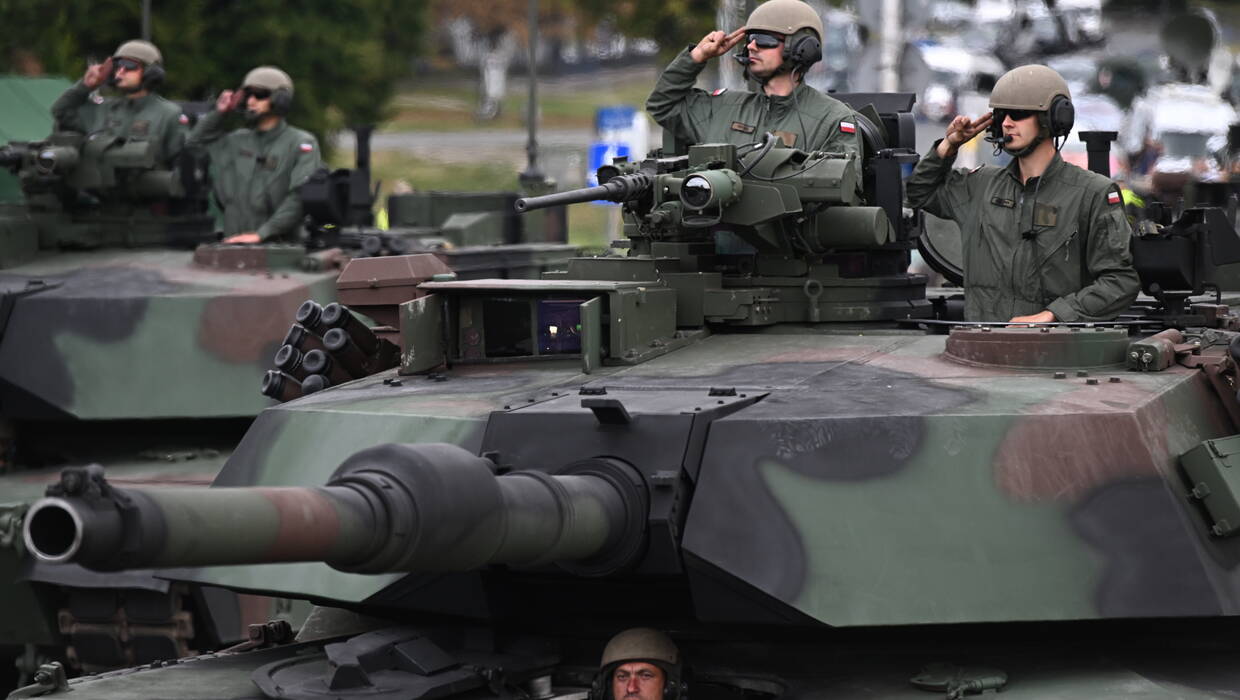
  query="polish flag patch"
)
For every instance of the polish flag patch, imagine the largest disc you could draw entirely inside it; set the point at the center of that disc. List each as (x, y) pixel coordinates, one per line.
(183, 119)
(1113, 197)
(848, 127)
(718, 92)
(306, 147)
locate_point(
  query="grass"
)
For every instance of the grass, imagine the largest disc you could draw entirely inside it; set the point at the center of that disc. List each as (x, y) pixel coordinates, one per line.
(586, 223)
(566, 105)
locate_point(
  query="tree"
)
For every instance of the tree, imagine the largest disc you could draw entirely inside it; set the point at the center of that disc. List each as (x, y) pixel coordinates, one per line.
(671, 23)
(344, 56)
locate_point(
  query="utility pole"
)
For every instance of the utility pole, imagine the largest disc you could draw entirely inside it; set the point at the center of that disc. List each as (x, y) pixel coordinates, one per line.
(892, 43)
(532, 179)
(731, 15)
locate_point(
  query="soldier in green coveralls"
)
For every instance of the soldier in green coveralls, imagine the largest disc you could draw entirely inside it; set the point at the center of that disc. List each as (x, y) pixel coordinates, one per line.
(783, 39)
(256, 170)
(1043, 240)
(135, 70)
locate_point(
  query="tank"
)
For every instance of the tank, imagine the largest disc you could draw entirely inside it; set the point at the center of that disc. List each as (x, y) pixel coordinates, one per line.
(130, 339)
(750, 428)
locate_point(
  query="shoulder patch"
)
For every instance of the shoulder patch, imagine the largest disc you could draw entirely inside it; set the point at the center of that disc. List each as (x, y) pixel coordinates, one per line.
(848, 127)
(718, 92)
(305, 147)
(183, 119)
(1113, 195)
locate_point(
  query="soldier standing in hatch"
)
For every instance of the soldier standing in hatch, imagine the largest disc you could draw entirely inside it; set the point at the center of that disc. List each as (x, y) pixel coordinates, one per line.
(1043, 240)
(256, 170)
(136, 70)
(783, 38)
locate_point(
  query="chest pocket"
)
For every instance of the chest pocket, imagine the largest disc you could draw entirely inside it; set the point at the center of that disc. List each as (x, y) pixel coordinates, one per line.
(1066, 269)
(988, 247)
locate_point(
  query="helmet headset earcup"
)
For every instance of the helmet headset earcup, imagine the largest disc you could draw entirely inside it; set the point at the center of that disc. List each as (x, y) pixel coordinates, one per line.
(153, 76)
(802, 50)
(1060, 117)
(281, 102)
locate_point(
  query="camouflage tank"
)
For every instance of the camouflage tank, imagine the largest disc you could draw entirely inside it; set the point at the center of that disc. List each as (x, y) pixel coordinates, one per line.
(131, 340)
(751, 431)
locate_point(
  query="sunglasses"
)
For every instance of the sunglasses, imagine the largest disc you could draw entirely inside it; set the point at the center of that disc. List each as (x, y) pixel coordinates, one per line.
(1017, 115)
(259, 93)
(764, 41)
(126, 64)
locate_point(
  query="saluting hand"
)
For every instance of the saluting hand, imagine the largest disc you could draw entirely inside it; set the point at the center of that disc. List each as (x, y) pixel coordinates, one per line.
(960, 131)
(229, 100)
(715, 44)
(96, 74)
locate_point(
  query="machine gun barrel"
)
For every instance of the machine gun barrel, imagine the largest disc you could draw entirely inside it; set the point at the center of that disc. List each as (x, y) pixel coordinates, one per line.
(392, 508)
(12, 156)
(621, 188)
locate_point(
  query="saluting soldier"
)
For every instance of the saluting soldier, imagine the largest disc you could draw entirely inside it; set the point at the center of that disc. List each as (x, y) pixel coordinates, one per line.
(783, 38)
(256, 169)
(1043, 240)
(138, 114)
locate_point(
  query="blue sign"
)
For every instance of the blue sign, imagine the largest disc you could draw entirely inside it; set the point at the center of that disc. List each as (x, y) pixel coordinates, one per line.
(602, 153)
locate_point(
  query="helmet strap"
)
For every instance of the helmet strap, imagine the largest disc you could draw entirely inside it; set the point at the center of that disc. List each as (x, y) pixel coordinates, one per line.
(1043, 132)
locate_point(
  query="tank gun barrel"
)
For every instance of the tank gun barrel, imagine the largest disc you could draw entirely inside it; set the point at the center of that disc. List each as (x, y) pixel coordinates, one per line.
(393, 508)
(621, 188)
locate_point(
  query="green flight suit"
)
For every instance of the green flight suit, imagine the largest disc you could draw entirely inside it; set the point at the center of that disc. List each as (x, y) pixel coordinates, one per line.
(147, 118)
(806, 119)
(255, 175)
(1070, 256)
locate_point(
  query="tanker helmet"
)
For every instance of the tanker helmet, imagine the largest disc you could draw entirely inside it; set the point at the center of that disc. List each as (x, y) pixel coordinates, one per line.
(276, 82)
(149, 56)
(639, 644)
(139, 50)
(800, 25)
(1035, 88)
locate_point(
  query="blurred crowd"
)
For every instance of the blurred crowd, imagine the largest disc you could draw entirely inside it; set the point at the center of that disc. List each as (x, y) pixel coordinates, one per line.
(1165, 79)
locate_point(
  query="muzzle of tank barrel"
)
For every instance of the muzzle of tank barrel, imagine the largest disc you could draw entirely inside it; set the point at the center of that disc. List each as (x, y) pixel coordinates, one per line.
(428, 508)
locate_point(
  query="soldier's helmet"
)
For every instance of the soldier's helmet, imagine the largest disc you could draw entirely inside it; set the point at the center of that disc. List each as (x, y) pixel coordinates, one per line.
(277, 82)
(785, 17)
(268, 78)
(139, 50)
(800, 25)
(1034, 88)
(645, 645)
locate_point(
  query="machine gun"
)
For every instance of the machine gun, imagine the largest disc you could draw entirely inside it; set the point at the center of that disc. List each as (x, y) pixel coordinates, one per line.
(67, 163)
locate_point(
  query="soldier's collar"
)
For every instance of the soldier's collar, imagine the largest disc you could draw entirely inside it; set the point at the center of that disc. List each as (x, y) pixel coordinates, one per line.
(140, 102)
(273, 131)
(1052, 168)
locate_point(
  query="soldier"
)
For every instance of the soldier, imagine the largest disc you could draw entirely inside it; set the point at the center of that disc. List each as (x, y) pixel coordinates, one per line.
(256, 170)
(1043, 240)
(136, 69)
(783, 39)
(639, 664)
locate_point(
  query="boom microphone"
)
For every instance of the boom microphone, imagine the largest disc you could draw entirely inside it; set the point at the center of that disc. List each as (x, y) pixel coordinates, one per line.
(742, 58)
(999, 140)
